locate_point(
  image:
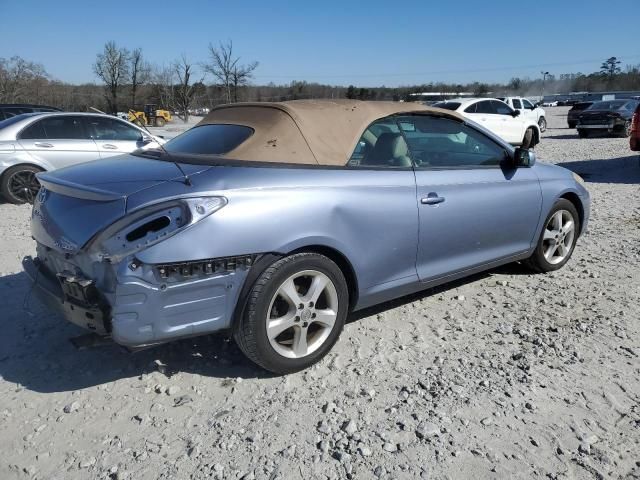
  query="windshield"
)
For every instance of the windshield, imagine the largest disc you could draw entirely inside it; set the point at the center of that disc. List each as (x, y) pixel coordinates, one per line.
(607, 105)
(212, 139)
(447, 105)
(14, 119)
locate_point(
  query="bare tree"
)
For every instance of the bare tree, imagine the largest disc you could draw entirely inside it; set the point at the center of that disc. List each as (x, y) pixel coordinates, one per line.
(112, 68)
(21, 80)
(139, 73)
(227, 70)
(185, 90)
(163, 79)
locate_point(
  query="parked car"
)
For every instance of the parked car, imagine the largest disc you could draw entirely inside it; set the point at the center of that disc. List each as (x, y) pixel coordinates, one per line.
(273, 221)
(552, 103)
(575, 111)
(527, 108)
(608, 116)
(35, 142)
(498, 117)
(634, 137)
(8, 110)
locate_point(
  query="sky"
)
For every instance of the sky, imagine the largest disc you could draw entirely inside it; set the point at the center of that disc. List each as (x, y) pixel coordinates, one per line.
(365, 43)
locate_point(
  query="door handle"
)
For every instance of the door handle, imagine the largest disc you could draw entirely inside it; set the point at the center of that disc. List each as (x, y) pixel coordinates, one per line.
(431, 199)
(109, 146)
(43, 145)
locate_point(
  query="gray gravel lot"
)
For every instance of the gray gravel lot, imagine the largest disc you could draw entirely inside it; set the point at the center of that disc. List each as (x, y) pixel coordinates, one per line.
(503, 375)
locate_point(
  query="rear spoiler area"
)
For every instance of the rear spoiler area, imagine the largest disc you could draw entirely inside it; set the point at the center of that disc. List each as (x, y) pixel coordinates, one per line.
(71, 189)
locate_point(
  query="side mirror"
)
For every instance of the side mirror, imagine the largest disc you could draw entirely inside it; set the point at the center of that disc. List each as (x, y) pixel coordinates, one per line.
(523, 157)
(515, 113)
(146, 139)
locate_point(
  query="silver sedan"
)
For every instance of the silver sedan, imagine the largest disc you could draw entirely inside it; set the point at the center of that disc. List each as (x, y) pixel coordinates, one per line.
(36, 142)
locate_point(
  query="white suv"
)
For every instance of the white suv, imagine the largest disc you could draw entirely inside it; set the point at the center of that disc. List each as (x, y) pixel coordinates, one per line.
(498, 117)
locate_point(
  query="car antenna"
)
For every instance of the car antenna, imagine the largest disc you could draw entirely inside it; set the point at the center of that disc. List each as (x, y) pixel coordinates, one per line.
(187, 180)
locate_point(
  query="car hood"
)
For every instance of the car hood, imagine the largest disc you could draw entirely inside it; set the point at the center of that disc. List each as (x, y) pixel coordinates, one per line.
(77, 202)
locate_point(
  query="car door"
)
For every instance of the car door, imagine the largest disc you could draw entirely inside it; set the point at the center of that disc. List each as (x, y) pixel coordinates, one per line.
(484, 113)
(113, 136)
(472, 209)
(58, 141)
(510, 126)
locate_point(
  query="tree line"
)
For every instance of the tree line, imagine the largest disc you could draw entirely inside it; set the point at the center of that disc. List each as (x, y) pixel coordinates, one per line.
(129, 81)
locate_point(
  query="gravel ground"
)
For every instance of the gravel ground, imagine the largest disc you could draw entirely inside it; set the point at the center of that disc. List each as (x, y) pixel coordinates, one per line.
(504, 375)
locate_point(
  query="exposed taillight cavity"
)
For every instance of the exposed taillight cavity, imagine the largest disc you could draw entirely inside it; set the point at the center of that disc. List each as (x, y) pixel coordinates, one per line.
(152, 226)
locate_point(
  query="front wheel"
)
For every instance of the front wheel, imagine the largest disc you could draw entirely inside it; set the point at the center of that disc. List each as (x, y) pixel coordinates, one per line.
(294, 313)
(625, 131)
(527, 141)
(542, 123)
(160, 121)
(582, 133)
(558, 238)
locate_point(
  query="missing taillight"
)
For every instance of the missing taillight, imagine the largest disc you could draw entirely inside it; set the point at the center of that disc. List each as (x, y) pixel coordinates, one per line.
(152, 226)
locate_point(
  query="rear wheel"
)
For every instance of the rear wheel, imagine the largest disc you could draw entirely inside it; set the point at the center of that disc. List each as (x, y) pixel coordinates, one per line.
(19, 184)
(583, 133)
(558, 238)
(625, 130)
(542, 124)
(527, 141)
(160, 121)
(572, 124)
(294, 313)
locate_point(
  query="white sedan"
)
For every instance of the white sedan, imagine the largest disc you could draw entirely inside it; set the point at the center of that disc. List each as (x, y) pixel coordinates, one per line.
(497, 117)
(36, 142)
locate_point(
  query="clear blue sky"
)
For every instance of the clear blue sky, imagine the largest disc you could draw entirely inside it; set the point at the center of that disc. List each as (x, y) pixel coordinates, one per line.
(368, 43)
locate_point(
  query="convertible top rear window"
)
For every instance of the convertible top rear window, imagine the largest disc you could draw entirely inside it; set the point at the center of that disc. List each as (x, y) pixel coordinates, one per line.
(211, 139)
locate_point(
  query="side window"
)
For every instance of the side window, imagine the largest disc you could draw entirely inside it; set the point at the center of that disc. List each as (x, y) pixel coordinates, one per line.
(33, 131)
(501, 108)
(382, 145)
(485, 107)
(436, 142)
(517, 103)
(65, 127)
(473, 108)
(527, 104)
(110, 129)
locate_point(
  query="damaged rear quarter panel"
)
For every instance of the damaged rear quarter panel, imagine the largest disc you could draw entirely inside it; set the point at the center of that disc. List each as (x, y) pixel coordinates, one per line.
(370, 216)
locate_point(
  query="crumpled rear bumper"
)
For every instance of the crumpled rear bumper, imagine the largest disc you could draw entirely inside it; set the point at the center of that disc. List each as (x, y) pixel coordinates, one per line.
(48, 289)
(136, 312)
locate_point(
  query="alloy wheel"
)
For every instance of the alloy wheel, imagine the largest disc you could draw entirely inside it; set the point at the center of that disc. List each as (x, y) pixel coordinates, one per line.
(558, 237)
(302, 314)
(23, 185)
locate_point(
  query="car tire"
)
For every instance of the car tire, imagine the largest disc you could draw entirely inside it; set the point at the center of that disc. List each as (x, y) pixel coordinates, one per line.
(527, 141)
(554, 240)
(17, 184)
(542, 124)
(160, 122)
(583, 133)
(625, 131)
(297, 339)
(572, 124)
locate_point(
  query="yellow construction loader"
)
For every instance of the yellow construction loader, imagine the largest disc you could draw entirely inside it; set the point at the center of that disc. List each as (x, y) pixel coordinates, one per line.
(151, 116)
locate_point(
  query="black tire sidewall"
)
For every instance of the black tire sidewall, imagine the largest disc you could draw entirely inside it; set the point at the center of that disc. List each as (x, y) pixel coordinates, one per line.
(257, 306)
(527, 141)
(4, 182)
(538, 255)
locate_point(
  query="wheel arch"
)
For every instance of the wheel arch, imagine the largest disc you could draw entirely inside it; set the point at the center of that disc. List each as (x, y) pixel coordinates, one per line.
(577, 203)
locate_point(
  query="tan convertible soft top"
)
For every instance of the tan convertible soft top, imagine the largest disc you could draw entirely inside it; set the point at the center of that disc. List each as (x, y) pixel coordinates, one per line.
(316, 132)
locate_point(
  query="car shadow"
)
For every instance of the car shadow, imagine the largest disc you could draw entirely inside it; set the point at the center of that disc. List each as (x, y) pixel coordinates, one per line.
(36, 352)
(621, 170)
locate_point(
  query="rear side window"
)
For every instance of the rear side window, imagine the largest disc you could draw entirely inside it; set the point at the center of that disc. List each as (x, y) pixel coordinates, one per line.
(447, 105)
(215, 139)
(486, 106)
(56, 128)
(516, 103)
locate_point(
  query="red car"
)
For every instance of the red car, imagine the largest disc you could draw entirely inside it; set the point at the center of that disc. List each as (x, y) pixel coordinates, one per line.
(634, 138)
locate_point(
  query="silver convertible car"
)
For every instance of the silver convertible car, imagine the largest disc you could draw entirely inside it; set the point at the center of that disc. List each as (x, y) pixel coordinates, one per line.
(273, 221)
